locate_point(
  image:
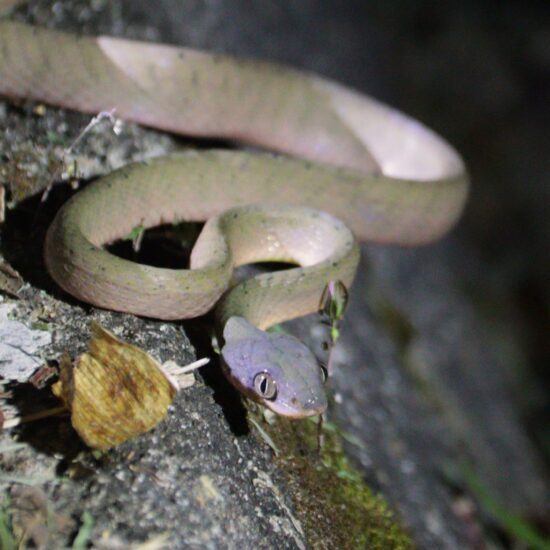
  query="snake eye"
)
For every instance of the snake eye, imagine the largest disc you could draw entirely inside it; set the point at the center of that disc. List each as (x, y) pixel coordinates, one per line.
(324, 372)
(265, 386)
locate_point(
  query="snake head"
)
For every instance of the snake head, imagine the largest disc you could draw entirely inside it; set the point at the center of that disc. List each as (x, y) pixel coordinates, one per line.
(274, 369)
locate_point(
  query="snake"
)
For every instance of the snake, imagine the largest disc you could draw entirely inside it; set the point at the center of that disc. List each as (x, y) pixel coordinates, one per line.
(325, 166)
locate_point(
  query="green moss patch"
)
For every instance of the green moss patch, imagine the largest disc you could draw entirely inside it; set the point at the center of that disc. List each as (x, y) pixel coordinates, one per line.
(334, 505)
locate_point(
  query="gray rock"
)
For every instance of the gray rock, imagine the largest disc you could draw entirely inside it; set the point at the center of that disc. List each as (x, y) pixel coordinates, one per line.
(19, 347)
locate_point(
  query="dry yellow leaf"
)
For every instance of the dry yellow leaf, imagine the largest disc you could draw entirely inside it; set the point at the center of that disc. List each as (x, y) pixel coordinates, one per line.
(115, 391)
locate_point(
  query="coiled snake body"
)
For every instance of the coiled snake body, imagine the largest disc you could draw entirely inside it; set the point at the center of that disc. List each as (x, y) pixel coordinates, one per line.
(388, 177)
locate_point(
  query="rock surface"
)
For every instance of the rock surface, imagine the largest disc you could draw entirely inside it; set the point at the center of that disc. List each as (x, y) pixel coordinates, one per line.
(424, 377)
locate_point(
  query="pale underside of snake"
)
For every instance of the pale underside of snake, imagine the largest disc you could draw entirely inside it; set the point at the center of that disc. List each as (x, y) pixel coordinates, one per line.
(388, 177)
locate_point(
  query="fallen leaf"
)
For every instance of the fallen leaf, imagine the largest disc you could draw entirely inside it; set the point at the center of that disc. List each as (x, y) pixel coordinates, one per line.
(115, 391)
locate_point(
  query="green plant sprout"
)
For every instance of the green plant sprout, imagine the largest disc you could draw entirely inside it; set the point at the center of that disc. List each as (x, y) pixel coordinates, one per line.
(332, 307)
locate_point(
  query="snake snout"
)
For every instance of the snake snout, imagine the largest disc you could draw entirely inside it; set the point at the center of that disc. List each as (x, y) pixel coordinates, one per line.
(274, 369)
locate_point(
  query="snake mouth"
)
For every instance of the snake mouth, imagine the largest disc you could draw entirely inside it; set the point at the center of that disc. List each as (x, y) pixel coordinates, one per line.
(296, 410)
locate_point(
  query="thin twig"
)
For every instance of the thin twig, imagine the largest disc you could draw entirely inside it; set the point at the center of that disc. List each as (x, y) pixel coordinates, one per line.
(195, 365)
(17, 420)
(94, 122)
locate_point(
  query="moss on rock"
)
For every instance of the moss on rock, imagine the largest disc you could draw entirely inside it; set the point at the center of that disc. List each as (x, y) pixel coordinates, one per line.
(333, 503)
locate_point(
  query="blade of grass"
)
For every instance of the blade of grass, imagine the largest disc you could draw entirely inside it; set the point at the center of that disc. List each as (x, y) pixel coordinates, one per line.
(84, 533)
(7, 540)
(509, 522)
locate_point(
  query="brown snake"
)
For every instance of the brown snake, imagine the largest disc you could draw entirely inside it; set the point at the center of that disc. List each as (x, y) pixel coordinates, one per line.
(388, 177)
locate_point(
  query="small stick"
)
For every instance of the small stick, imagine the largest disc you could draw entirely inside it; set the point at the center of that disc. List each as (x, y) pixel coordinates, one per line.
(94, 122)
(320, 433)
(17, 420)
(192, 366)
